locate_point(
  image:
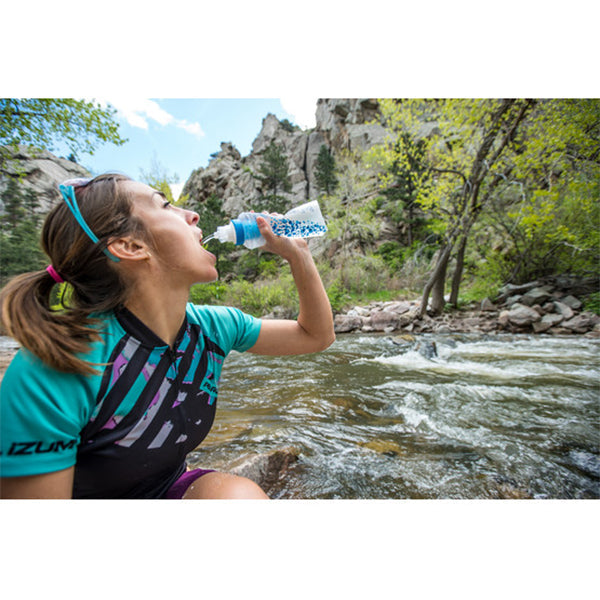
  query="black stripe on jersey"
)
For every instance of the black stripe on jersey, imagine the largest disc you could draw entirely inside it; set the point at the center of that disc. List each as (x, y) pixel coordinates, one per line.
(185, 362)
(115, 395)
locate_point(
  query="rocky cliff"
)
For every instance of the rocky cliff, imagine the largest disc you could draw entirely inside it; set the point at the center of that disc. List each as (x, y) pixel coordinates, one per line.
(40, 171)
(341, 124)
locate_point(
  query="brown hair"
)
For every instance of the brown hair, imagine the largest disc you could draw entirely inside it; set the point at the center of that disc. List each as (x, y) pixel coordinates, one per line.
(61, 337)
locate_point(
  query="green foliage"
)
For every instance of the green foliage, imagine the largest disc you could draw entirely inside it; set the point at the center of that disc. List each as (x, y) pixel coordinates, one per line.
(592, 303)
(19, 233)
(43, 122)
(158, 177)
(274, 175)
(208, 293)
(404, 176)
(350, 212)
(479, 289)
(325, 170)
(338, 296)
(392, 254)
(528, 169)
(256, 298)
(289, 127)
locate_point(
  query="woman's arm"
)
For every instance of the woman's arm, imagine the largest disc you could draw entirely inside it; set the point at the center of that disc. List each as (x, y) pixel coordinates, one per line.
(57, 485)
(313, 330)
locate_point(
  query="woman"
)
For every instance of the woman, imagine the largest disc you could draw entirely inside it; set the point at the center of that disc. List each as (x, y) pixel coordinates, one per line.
(106, 398)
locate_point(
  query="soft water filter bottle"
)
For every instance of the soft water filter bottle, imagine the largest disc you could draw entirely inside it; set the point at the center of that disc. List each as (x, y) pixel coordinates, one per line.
(301, 222)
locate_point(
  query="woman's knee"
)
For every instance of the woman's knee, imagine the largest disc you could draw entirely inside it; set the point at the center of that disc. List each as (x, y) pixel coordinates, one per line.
(224, 486)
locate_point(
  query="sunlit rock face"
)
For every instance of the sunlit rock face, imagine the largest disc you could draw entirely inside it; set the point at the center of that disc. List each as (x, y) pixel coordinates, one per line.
(341, 124)
(39, 171)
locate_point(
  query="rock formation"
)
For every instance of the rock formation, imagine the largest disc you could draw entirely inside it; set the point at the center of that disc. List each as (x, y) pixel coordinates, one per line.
(40, 171)
(341, 124)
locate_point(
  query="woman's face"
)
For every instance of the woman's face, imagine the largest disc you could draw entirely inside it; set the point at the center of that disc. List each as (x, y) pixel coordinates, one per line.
(175, 236)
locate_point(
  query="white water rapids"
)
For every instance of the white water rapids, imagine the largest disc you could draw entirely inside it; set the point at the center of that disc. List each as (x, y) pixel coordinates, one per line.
(483, 417)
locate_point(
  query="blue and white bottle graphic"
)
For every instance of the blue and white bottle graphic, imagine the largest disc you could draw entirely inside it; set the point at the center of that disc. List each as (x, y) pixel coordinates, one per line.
(301, 222)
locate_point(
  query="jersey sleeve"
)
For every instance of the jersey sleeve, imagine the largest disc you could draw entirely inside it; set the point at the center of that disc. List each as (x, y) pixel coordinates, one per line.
(42, 412)
(231, 328)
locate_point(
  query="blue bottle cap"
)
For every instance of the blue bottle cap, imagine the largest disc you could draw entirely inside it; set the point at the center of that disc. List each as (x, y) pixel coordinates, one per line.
(239, 232)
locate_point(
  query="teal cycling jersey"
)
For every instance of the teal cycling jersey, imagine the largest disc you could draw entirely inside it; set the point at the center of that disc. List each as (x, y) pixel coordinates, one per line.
(128, 428)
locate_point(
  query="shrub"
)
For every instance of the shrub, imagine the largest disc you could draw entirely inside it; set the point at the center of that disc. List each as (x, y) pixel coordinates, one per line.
(592, 303)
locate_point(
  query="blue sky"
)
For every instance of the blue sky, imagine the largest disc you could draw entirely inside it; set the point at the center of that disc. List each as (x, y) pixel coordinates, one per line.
(181, 134)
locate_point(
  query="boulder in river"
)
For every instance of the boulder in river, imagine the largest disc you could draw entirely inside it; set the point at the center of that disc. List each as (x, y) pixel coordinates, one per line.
(265, 469)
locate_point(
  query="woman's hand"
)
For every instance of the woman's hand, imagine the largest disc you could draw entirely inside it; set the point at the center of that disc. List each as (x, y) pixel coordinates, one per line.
(287, 248)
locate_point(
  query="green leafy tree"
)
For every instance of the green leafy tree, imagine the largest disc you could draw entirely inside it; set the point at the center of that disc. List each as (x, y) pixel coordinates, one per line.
(466, 161)
(351, 222)
(408, 175)
(274, 176)
(527, 160)
(44, 122)
(549, 210)
(158, 177)
(325, 170)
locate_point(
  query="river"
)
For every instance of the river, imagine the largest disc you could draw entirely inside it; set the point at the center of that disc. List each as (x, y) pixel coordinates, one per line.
(374, 417)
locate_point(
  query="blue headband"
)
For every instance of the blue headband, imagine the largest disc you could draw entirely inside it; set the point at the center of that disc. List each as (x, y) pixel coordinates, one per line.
(68, 193)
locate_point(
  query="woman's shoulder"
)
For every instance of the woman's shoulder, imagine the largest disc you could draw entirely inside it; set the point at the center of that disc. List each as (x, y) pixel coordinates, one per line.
(202, 313)
(230, 327)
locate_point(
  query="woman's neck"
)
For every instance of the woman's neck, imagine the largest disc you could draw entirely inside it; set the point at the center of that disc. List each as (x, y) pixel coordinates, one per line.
(161, 312)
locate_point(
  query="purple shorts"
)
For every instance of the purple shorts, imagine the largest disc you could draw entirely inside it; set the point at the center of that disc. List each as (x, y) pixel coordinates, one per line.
(179, 488)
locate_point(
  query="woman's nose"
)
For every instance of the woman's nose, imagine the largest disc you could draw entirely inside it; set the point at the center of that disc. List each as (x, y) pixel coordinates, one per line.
(192, 217)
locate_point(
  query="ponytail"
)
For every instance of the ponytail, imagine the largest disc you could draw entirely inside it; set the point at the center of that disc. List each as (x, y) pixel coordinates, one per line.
(58, 337)
(60, 333)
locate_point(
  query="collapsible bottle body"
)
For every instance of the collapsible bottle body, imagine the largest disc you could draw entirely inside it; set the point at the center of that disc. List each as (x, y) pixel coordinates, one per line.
(301, 222)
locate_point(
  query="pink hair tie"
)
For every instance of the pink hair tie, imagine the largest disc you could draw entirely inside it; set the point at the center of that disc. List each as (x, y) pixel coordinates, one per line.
(54, 274)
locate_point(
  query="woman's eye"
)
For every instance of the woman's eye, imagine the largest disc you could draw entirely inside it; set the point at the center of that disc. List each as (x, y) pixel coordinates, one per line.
(166, 203)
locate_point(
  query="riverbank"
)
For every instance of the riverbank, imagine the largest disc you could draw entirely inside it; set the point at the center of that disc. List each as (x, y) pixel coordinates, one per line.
(541, 307)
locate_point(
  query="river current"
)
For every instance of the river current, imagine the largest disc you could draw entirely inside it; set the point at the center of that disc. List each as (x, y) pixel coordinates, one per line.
(447, 416)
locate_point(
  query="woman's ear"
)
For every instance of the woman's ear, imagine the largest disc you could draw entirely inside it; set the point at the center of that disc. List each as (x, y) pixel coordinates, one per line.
(128, 248)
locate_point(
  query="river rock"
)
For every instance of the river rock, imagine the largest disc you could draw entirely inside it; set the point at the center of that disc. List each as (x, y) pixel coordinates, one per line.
(359, 311)
(487, 305)
(582, 322)
(536, 296)
(427, 349)
(384, 320)
(512, 300)
(548, 321)
(265, 469)
(510, 289)
(522, 316)
(564, 310)
(571, 302)
(347, 323)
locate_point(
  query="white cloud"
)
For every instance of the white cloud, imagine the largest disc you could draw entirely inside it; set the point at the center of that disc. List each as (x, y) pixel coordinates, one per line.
(302, 109)
(138, 113)
(193, 128)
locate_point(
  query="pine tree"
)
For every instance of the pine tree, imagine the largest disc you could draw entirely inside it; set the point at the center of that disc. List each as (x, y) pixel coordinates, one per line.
(19, 233)
(274, 175)
(325, 172)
